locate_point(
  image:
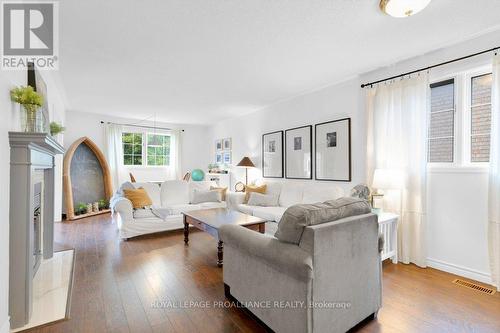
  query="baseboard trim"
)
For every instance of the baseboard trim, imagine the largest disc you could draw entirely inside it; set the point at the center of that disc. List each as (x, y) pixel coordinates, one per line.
(6, 326)
(460, 270)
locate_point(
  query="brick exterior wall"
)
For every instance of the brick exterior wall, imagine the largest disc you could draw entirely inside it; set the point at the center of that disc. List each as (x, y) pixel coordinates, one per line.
(480, 118)
(441, 124)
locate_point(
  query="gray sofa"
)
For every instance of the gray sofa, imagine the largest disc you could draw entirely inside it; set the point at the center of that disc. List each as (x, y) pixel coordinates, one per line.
(330, 282)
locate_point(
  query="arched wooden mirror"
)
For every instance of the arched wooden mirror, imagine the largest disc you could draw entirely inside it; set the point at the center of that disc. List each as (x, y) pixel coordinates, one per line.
(86, 176)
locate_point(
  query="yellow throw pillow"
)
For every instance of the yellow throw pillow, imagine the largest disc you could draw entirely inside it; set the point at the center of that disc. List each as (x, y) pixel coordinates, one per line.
(250, 188)
(222, 191)
(139, 197)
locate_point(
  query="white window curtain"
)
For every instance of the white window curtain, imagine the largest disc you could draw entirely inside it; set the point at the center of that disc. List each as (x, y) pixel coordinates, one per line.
(174, 169)
(397, 140)
(494, 178)
(114, 154)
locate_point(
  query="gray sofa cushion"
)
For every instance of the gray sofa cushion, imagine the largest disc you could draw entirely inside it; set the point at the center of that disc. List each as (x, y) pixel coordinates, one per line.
(297, 217)
(200, 196)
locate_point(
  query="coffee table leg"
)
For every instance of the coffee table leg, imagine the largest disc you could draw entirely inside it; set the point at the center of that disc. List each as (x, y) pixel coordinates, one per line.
(262, 228)
(186, 231)
(220, 247)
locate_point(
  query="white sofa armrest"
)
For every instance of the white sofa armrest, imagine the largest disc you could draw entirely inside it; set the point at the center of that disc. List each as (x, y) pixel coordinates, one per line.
(234, 199)
(124, 207)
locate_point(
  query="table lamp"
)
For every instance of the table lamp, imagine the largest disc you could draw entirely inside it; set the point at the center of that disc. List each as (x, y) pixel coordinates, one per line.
(246, 163)
(386, 179)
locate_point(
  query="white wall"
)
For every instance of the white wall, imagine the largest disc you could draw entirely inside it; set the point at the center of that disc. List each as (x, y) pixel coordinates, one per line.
(194, 146)
(10, 121)
(334, 102)
(457, 211)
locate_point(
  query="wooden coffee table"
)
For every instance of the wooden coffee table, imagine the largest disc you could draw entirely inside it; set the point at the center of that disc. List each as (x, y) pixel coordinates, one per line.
(210, 220)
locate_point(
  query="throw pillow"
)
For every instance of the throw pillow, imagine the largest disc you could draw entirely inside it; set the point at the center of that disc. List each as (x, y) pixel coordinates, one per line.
(200, 196)
(250, 188)
(264, 200)
(297, 217)
(222, 191)
(139, 197)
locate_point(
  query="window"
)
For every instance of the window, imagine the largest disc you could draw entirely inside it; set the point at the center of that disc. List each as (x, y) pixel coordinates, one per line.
(158, 149)
(146, 149)
(459, 122)
(132, 148)
(480, 118)
(442, 122)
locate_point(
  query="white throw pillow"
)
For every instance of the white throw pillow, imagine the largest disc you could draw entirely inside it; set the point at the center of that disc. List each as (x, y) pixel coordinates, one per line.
(264, 200)
(200, 196)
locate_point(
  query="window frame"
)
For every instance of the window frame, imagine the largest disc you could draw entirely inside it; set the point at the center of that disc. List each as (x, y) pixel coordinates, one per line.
(144, 134)
(467, 162)
(455, 125)
(462, 122)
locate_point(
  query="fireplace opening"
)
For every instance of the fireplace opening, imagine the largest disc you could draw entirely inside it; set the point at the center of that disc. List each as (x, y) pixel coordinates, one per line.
(37, 226)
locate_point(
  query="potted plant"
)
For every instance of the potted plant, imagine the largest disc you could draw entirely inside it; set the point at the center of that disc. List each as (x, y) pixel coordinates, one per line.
(81, 208)
(103, 204)
(31, 101)
(56, 128)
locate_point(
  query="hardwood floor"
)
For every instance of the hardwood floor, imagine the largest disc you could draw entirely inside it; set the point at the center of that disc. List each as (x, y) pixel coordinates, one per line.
(117, 283)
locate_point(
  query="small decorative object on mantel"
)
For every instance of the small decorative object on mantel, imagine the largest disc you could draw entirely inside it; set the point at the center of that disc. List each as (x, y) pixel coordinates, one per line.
(56, 128)
(81, 208)
(31, 101)
(95, 207)
(103, 204)
(89, 208)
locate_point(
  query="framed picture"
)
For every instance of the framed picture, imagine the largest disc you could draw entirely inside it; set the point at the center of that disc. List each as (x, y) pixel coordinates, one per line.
(333, 150)
(226, 157)
(218, 158)
(226, 144)
(218, 145)
(272, 155)
(298, 149)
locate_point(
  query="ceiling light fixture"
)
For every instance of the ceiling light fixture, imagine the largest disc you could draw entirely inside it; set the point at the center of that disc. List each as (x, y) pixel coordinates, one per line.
(403, 8)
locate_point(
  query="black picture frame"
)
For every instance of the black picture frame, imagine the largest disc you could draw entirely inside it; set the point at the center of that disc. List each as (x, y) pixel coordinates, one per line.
(310, 151)
(282, 155)
(349, 178)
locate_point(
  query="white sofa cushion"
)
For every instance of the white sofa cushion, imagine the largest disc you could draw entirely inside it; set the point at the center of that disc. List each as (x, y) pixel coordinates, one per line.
(180, 208)
(208, 205)
(269, 213)
(200, 196)
(153, 191)
(291, 194)
(263, 200)
(174, 192)
(245, 209)
(200, 186)
(314, 193)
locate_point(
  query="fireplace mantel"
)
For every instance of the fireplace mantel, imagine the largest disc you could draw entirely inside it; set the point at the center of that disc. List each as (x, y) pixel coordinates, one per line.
(31, 160)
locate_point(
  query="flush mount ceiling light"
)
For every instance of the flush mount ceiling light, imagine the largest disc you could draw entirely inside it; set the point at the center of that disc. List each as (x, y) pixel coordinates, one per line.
(403, 8)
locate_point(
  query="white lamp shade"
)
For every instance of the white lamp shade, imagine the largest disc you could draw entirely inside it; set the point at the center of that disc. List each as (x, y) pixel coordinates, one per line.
(403, 8)
(388, 179)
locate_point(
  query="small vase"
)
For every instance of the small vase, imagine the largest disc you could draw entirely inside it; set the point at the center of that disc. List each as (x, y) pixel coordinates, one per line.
(29, 119)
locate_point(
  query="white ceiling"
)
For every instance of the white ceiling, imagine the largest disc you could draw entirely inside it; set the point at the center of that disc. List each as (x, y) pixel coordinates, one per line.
(199, 61)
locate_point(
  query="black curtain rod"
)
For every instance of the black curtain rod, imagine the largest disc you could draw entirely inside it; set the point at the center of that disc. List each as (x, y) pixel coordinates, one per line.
(430, 67)
(141, 126)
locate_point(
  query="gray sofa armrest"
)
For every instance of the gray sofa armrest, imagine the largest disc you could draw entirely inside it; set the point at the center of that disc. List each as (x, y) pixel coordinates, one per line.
(286, 258)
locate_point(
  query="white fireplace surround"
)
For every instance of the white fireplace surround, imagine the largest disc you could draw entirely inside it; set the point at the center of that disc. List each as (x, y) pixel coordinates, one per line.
(32, 161)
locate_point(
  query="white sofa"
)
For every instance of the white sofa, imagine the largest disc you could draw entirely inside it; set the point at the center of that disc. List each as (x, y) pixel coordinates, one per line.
(289, 193)
(173, 197)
